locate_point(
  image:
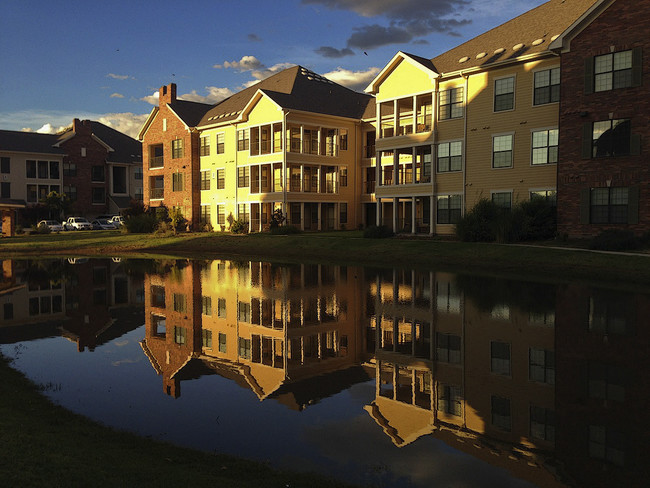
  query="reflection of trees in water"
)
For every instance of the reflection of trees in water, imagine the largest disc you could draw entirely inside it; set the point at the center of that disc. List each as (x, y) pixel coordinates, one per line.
(45, 271)
(160, 267)
(488, 292)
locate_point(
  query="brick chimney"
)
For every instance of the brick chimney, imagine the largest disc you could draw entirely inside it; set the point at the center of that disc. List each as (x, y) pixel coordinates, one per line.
(80, 127)
(167, 94)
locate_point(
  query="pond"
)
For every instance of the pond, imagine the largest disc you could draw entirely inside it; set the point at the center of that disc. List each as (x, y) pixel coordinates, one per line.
(385, 377)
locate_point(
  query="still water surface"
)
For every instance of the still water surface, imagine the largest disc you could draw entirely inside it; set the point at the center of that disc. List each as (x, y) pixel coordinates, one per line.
(382, 377)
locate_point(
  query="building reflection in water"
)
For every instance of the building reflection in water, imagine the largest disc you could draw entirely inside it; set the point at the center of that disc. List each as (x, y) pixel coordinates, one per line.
(547, 381)
(89, 302)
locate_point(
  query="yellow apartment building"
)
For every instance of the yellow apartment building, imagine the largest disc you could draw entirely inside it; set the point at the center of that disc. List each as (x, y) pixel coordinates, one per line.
(478, 121)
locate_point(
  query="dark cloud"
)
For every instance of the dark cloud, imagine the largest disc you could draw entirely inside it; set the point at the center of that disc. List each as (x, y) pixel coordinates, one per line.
(254, 38)
(406, 19)
(332, 52)
(372, 36)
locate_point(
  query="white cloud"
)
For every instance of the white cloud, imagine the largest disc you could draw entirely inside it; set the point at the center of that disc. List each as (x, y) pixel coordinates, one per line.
(258, 70)
(46, 129)
(215, 94)
(246, 63)
(128, 123)
(118, 77)
(355, 80)
(117, 95)
(152, 99)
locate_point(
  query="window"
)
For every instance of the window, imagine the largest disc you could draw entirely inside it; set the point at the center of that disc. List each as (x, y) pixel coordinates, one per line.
(502, 151)
(242, 212)
(222, 342)
(180, 303)
(502, 199)
(547, 86)
(549, 195)
(84, 152)
(206, 336)
(205, 180)
(449, 209)
(243, 177)
(157, 296)
(501, 413)
(156, 156)
(243, 140)
(607, 382)
(5, 166)
(5, 189)
(609, 205)
(32, 193)
(177, 148)
(244, 348)
(343, 140)
(206, 305)
(177, 182)
(545, 146)
(343, 177)
(447, 297)
(450, 399)
(243, 311)
(204, 216)
(156, 187)
(451, 103)
(138, 173)
(204, 147)
(54, 170)
(71, 191)
(450, 156)
(119, 179)
(611, 138)
(221, 215)
(221, 308)
(541, 366)
(504, 94)
(447, 348)
(69, 169)
(43, 169)
(221, 179)
(99, 195)
(221, 143)
(180, 335)
(30, 166)
(607, 444)
(542, 423)
(97, 174)
(612, 71)
(500, 358)
(8, 311)
(343, 213)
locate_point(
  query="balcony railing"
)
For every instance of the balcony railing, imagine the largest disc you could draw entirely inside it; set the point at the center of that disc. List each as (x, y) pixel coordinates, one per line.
(156, 193)
(156, 162)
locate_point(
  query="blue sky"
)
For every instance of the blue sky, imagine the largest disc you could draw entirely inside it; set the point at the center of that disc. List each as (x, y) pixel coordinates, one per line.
(105, 60)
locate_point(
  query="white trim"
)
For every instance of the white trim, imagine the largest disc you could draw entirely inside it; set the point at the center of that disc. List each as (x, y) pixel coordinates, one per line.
(494, 94)
(512, 149)
(372, 88)
(532, 133)
(549, 68)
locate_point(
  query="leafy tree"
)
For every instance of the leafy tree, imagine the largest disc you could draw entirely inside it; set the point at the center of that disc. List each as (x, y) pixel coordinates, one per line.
(56, 204)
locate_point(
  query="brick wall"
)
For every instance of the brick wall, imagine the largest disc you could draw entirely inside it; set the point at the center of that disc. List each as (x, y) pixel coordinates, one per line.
(165, 128)
(622, 26)
(96, 154)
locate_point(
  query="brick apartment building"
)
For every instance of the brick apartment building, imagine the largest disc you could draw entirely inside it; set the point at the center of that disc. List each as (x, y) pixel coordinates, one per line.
(603, 173)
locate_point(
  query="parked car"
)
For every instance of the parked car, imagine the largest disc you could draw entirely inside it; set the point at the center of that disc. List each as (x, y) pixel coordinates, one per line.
(102, 224)
(117, 221)
(53, 225)
(77, 223)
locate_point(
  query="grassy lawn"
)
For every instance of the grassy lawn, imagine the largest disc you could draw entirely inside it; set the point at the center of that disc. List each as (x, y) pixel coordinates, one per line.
(348, 247)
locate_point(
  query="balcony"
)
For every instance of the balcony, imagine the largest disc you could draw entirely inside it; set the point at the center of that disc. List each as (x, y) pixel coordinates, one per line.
(156, 193)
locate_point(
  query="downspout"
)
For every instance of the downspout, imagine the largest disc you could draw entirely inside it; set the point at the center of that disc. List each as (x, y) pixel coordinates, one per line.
(466, 77)
(284, 164)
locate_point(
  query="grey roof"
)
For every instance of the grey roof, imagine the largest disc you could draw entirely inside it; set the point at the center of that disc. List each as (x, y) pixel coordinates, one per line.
(295, 88)
(190, 112)
(538, 26)
(29, 142)
(121, 202)
(125, 148)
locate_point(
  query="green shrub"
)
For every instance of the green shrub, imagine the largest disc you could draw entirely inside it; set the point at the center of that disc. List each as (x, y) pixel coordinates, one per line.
(43, 229)
(616, 240)
(239, 227)
(285, 230)
(480, 223)
(377, 232)
(144, 223)
(177, 221)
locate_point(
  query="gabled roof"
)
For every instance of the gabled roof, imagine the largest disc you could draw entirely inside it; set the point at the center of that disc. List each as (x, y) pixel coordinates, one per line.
(563, 42)
(295, 88)
(190, 112)
(29, 142)
(422, 63)
(530, 33)
(122, 148)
